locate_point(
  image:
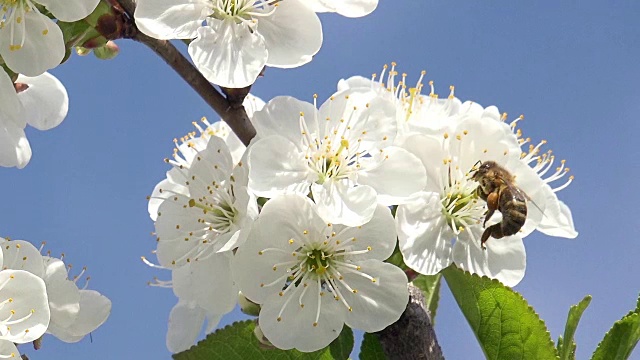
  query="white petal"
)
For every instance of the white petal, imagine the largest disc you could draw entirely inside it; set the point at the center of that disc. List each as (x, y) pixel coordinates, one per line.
(8, 350)
(14, 146)
(355, 8)
(10, 106)
(207, 283)
(378, 304)
(558, 222)
(282, 218)
(395, 174)
(371, 117)
(212, 322)
(94, 311)
(355, 82)
(29, 302)
(22, 255)
(63, 294)
(431, 153)
(292, 35)
(296, 326)
(162, 191)
(170, 19)
(276, 166)
(423, 234)
(45, 101)
(185, 323)
(211, 166)
(504, 259)
(379, 234)
(340, 203)
(43, 47)
(281, 116)
(175, 224)
(70, 10)
(228, 54)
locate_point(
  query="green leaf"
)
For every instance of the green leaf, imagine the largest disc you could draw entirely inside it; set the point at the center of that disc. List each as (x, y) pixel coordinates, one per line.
(566, 345)
(430, 286)
(619, 341)
(371, 349)
(502, 320)
(237, 342)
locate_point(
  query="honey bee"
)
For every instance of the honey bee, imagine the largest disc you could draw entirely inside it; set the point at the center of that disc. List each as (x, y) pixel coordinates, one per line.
(497, 187)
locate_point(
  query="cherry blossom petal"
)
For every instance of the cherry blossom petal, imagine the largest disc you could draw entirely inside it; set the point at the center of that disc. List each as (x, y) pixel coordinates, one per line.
(558, 220)
(15, 150)
(228, 54)
(43, 48)
(63, 294)
(375, 304)
(343, 204)
(423, 234)
(185, 323)
(394, 173)
(276, 166)
(379, 234)
(281, 116)
(70, 10)
(45, 101)
(10, 106)
(22, 255)
(8, 350)
(504, 259)
(293, 34)
(170, 19)
(296, 326)
(29, 311)
(208, 283)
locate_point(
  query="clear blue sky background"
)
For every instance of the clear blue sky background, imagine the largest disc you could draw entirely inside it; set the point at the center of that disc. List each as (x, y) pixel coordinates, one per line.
(571, 67)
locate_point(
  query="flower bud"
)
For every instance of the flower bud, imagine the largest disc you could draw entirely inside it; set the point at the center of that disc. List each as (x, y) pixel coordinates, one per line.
(108, 51)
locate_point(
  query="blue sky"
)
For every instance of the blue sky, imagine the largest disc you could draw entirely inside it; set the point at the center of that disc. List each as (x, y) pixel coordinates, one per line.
(571, 67)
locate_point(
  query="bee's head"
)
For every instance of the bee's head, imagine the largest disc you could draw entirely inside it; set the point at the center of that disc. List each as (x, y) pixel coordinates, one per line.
(481, 169)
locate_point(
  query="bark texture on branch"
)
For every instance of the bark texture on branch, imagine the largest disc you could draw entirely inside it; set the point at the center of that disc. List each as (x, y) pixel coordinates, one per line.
(411, 337)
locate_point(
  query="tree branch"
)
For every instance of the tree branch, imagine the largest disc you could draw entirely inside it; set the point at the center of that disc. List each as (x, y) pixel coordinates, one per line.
(412, 336)
(235, 116)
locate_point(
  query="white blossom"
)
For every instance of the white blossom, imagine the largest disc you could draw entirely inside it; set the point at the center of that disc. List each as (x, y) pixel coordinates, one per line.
(42, 103)
(342, 153)
(238, 38)
(188, 146)
(30, 42)
(449, 209)
(311, 276)
(208, 209)
(72, 313)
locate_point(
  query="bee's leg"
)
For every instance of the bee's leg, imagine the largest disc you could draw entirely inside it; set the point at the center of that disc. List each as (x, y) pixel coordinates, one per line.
(481, 193)
(492, 206)
(494, 231)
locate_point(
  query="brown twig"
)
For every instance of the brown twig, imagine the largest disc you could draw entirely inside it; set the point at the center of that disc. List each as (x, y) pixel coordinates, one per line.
(235, 116)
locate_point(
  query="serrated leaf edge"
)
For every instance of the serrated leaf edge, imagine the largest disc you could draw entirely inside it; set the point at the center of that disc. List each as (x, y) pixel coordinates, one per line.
(541, 321)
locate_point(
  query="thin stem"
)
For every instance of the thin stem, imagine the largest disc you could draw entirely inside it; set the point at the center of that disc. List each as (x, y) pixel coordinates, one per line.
(235, 116)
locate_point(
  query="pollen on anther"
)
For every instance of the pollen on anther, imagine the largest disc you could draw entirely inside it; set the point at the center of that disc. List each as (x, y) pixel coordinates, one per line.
(305, 232)
(368, 248)
(281, 293)
(279, 318)
(315, 324)
(291, 241)
(261, 284)
(260, 252)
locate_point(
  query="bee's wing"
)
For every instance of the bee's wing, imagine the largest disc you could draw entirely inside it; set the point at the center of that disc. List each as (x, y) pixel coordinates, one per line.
(529, 199)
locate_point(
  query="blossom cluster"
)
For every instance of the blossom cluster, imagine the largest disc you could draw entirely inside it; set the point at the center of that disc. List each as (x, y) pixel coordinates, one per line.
(301, 222)
(37, 297)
